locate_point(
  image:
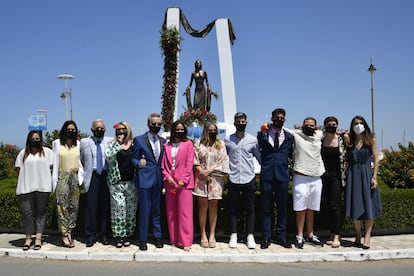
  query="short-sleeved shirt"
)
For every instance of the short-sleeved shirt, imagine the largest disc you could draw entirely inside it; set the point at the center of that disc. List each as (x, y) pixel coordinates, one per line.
(35, 174)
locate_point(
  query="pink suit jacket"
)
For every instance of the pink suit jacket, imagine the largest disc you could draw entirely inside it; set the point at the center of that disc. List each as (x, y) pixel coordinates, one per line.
(183, 164)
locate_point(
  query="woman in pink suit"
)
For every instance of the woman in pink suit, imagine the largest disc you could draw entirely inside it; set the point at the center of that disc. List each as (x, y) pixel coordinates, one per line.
(178, 178)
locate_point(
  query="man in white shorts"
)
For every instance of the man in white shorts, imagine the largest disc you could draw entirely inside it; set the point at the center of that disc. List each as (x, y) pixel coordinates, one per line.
(307, 184)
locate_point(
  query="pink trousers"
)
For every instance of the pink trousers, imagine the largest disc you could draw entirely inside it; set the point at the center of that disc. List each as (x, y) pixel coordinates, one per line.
(179, 209)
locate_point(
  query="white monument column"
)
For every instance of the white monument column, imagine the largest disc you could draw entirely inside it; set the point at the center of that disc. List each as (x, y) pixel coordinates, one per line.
(173, 21)
(225, 62)
(226, 73)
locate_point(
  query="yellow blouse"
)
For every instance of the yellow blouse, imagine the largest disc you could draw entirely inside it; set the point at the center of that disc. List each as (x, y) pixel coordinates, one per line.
(69, 159)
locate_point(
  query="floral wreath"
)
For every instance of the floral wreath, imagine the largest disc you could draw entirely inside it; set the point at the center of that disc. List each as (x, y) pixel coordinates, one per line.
(170, 44)
(197, 115)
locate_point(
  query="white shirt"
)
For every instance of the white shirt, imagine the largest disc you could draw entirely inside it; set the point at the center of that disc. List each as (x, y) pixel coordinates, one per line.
(155, 143)
(35, 174)
(174, 150)
(307, 153)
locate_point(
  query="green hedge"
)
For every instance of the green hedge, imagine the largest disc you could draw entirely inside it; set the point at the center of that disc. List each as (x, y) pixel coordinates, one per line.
(397, 214)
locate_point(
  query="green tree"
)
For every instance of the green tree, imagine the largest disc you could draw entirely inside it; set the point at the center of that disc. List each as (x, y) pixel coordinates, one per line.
(397, 167)
(8, 154)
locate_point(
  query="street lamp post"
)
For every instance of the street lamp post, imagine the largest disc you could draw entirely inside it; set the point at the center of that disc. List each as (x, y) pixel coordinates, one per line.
(372, 69)
(67, 92)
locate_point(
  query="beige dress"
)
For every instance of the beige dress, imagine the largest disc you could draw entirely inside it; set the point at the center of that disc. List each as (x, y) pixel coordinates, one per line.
(210, 158)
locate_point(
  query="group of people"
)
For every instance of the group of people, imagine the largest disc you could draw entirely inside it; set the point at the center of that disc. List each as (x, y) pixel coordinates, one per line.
(123, 179)
(325, 163)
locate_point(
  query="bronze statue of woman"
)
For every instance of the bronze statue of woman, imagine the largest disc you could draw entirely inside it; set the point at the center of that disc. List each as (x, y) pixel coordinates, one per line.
(202, 96)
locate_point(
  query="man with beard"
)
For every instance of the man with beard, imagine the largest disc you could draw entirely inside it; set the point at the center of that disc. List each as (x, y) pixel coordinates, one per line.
(147, 155)
(276, 146)
(97, 209)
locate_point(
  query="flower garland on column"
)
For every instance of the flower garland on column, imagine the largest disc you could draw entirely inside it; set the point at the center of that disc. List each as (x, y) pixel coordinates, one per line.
(170, 44)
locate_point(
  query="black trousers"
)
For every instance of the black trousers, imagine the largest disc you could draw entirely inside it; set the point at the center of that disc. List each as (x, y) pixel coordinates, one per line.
(97, 209)
(246, 194)
(332, 195)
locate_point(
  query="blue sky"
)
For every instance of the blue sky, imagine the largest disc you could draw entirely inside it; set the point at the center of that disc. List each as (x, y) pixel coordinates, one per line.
(309, 57)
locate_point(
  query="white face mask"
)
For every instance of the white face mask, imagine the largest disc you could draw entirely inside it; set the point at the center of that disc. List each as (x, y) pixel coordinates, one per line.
(358, 128)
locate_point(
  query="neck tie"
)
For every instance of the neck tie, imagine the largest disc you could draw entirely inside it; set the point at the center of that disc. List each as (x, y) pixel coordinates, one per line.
(156, 148)
(99, 160)
(276, 142)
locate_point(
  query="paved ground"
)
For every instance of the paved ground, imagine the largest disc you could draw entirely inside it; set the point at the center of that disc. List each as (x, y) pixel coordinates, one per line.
(382, 247)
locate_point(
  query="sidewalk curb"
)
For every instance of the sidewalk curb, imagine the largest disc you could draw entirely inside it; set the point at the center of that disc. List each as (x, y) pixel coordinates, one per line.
(196, 257)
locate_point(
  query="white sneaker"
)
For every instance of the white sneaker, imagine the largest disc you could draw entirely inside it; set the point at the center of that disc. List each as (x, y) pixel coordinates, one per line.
(251, 243)
(233, 240)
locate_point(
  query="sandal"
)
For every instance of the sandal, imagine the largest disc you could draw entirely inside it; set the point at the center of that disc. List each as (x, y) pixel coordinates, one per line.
(27, 245)
(127, 243)
(72, 242)
(119, 243)
(37, 246)
(66, 241)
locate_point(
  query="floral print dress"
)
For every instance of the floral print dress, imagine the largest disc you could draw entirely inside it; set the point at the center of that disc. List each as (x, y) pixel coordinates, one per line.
(210, 158)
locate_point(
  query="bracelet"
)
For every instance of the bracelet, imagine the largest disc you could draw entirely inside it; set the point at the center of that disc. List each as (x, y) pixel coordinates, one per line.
(374, 177)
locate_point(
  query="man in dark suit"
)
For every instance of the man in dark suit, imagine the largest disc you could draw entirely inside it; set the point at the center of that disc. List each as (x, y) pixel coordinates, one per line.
(276, 146)
(147, 154)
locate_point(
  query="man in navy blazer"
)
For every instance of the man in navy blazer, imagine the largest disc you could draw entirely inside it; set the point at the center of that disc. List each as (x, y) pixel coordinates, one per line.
(147, 154)
(276, 146)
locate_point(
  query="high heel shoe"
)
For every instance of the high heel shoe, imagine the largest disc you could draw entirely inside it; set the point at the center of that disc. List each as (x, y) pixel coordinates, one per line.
(71, 241)
(27, 245)
(66, 241)
(38, 244)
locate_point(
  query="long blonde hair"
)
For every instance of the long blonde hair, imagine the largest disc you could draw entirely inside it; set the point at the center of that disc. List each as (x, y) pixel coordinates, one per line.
(205, 138)
(129, 135)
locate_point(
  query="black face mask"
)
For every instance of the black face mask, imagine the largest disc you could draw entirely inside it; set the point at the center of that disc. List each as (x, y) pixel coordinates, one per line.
(240, 127)
(308, 130)
(330, 129)
(72, 135)
(118, 132)
(180, 135)
(278, 123)
(212, 135)
(98, 133)
(35, 144)
(155, 129)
